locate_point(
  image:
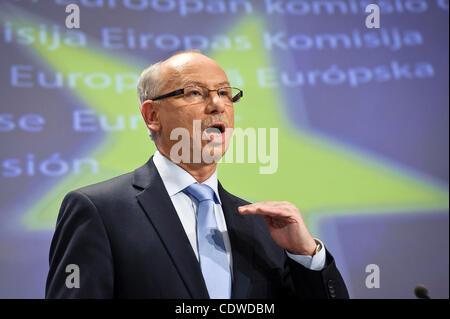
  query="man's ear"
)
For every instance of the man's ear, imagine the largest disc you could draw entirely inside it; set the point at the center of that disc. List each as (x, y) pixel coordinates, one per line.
(150, 113)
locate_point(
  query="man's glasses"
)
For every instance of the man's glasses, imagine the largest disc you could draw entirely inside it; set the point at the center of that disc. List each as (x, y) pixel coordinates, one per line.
(198, 94)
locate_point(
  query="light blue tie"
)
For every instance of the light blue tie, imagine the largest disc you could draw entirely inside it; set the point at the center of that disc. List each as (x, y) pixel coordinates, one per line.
(211, 249)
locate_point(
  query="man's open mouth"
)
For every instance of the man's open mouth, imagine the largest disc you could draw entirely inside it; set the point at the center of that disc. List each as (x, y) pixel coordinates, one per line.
(215, 132)
(217, 128)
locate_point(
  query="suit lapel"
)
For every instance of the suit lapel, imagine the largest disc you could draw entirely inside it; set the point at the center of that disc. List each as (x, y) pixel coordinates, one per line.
(157, 205)
(240, 234)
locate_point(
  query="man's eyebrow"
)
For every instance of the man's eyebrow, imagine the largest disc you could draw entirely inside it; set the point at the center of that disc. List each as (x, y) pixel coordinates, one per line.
(203, 84)
(194, 83)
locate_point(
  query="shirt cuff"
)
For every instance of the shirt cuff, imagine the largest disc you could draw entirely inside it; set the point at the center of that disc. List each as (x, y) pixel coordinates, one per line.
(316, 262)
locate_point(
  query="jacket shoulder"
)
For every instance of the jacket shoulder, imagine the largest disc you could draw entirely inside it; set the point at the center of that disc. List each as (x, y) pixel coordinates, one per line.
(111, 187)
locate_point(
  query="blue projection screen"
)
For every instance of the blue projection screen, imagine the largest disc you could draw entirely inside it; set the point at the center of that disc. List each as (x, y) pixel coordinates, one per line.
(360, 118)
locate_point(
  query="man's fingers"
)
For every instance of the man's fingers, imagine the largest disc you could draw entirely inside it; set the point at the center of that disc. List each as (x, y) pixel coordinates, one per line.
(268, 210)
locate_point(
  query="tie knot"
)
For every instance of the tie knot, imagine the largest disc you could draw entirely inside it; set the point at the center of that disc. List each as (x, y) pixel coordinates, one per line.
(200, 192)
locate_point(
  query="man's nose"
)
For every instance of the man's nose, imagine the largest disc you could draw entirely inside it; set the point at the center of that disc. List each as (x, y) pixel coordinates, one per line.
(216, 104)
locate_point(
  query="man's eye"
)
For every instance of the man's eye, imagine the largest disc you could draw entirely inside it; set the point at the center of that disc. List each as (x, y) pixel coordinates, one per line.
(194, 93)
(224, 93)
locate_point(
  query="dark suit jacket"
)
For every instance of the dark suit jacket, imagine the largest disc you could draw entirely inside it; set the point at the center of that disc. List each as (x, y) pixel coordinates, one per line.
(128, 242)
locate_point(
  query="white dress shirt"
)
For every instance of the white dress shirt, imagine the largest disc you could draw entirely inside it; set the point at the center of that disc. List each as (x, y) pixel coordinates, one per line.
(176, 179)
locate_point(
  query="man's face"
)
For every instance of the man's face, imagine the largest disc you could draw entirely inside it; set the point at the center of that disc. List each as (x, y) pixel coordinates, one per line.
(212, 115)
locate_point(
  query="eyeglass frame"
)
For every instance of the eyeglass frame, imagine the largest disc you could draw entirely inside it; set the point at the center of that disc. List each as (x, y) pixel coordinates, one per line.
(181, 91)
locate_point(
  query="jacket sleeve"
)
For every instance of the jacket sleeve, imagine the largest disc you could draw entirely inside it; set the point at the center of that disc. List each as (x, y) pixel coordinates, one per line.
(311, 284)
(81, 263)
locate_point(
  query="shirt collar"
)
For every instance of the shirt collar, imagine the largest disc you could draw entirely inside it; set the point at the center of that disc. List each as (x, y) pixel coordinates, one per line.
(176, 179)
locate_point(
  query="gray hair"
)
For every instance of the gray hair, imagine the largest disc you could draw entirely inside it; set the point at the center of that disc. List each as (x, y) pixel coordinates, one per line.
(149, 85)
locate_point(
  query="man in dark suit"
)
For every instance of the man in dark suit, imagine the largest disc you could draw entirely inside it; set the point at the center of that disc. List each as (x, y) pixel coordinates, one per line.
(169, 229)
